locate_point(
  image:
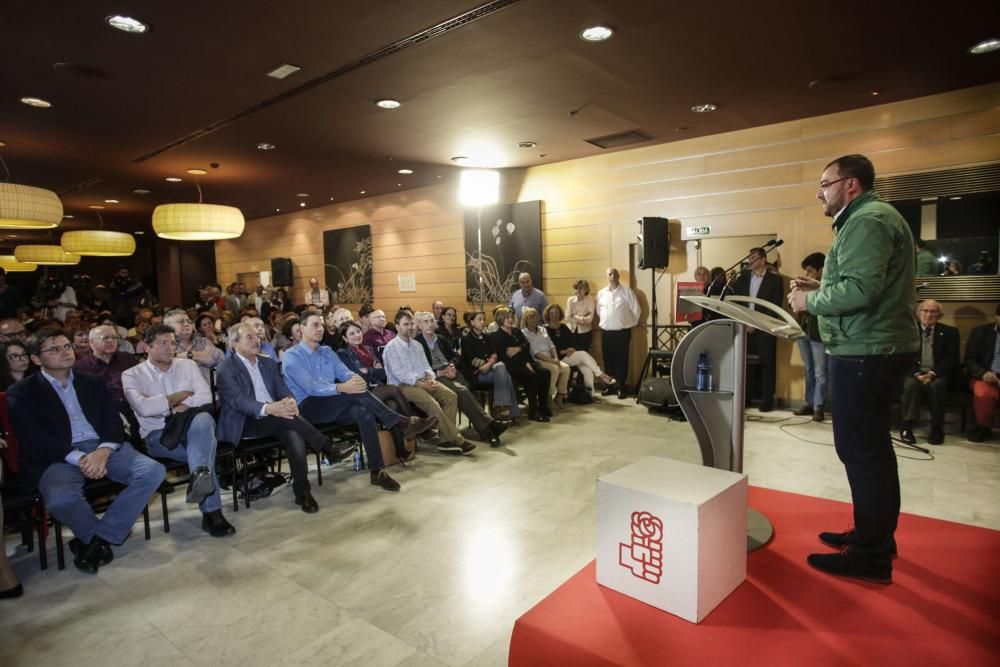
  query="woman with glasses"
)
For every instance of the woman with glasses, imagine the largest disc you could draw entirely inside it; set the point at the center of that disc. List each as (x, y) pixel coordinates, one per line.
(15, 364)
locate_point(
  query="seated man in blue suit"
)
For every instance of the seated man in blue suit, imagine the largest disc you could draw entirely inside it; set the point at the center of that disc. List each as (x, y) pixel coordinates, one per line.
(69, 432)
(255, 401)
(327, 391)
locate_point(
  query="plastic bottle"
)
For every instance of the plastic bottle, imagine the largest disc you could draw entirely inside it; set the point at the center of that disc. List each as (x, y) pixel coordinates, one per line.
(703, 380)
(358, 463)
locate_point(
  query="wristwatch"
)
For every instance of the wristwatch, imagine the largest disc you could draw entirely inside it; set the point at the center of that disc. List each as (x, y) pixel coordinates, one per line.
(190, 354)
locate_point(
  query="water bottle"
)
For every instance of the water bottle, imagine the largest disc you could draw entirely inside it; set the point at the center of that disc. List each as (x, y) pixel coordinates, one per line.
(704, 374)
(358, 463)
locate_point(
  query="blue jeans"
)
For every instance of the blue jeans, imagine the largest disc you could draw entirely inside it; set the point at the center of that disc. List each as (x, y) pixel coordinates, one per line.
(862, 389)
(196, 449)
(503, 388)
(61, 485)
(813, 354)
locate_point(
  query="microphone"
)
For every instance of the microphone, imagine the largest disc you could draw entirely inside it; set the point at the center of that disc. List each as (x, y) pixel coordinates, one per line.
(770, 243)
(923, 285)
(775, 244)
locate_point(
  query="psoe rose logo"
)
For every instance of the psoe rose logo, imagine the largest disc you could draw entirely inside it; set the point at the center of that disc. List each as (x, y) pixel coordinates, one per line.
(642, 555)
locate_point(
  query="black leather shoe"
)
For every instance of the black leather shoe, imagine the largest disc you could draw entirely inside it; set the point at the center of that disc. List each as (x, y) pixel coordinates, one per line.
(936, 436)
(623, 393)
(216, 525)
(981, 434)
(10, 593)
(337, 453)
(495, 441)
(417, 426)
(803, 411)
(848, 563)
(307, 503)
(87, 556)
(609, 391)
(381, 478)
(906, 435)
(497, 428)
(844, 540)
(103, 551)
(766, 407)
(200, 485)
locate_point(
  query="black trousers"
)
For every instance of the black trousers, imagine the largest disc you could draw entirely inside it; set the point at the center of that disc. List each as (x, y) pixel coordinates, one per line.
(583, 340)
(469, 406)
(535, 383)
(614, 348)
(393, 397)
(915, 391)
(362, 409)
(294, 434)
(765, 346)
(861, 393)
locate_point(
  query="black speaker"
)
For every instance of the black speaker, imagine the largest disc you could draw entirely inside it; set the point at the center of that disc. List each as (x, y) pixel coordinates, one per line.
(281, 271)
(654, 250)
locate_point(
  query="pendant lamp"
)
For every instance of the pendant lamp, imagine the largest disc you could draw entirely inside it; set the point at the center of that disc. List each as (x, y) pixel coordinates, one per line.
(8, 263)
(98, 243)
(197, 222)
(27, 207)
(51, 255)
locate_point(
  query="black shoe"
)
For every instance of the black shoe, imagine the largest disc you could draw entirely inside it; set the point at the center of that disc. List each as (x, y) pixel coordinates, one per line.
(497, 428)
(495, 441)
(981, 434)
(381, 478)
(846, 539)
(10, 593)
(200, 485)
(623, 392)
(936, 436)
(87, 556)
(307, 503)
(103, 551)
(610, 391)
(416, 426)
(803, 411)
(848, 563)
(906, 435)
(766, 407)
(337, 453)
(216, 525)
(539, 417)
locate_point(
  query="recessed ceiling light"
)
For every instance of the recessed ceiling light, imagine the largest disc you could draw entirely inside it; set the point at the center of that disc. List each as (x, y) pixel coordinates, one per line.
(876, 93)
(399, 185)
(302, 204)
(111, 201)
(331, 198)
(264, 146)
(68, 217)
(985, 46)
(277, 210)
(527, 144)
(197, 172)
(173, 179)
(388, 103)
(139, 232)
(405, 171)
(140, 191)
(283, 70)
(596, 33)
(460, 159)
(36, 102)
(362, 192)
(704, 108)
(96, 207)
(954, 198)
(302, 194)
(127, 24)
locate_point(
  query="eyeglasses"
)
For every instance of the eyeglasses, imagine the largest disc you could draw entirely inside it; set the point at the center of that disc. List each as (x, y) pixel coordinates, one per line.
(929, 312)
(58, 348)
(17, 356)
(823, 185)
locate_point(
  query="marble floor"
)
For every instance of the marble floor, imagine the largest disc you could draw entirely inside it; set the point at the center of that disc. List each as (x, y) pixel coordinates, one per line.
(434, 575)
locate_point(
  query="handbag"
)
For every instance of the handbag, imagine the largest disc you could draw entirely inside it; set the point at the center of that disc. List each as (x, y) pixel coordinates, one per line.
(176, 426)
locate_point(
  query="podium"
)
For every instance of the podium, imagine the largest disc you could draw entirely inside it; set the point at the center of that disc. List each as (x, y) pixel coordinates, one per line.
(716, 415)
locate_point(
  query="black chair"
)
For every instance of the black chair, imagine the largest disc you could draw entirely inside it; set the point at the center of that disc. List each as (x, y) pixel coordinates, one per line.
(25, 512)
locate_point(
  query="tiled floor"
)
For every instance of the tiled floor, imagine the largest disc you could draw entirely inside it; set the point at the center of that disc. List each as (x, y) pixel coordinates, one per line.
(434, 575)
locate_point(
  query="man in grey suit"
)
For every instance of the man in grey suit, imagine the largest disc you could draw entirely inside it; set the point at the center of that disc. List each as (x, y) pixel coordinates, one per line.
(256, 402)
(237, 299)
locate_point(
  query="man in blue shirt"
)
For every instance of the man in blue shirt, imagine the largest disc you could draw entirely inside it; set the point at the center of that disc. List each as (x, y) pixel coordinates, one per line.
(327, 391)
(69, 431)
(527, 296)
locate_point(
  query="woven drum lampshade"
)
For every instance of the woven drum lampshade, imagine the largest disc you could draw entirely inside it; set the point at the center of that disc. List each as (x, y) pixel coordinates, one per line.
(197, 222)
(27, 207)
(8, 264)
(98, 243)
(52, 255)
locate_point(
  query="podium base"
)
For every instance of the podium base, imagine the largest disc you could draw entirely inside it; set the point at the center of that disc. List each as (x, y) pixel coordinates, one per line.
(759, 530)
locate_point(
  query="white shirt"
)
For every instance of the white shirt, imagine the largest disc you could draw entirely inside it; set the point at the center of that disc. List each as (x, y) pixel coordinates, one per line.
(539, 342)
(259, 388)
(320, 297)
(147, 387)
(755, 283)
(405, 362)
(617, 308)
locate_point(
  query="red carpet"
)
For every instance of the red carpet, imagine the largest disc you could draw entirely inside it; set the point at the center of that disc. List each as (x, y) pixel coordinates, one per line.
(943, 607)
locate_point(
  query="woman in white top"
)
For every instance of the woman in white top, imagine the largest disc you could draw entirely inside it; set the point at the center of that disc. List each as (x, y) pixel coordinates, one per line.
(562, 338)
(545, 353)
(580, 310)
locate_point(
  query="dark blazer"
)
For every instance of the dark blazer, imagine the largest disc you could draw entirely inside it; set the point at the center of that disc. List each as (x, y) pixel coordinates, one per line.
(771, 289)
(946, 351)
(445, 347)
(237, 401)
(353, 362)
(979, 350)
(41, 423)
(475, 351)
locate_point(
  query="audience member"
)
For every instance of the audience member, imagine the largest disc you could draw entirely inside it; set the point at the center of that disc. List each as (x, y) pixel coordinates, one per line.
(10, 298)
(263, 336)
(527, 296)
(12, 329)
(406, 367)
(260, 302)
(702, 275)
(760, 283)
(107, 362)
(934, 373)
(82, 438)
(982, 365)
(15, 363)
(291, 335)
(196, 348)
(564, 340)
(172, 402)
(236, 300)
(927, 263)
(81, 340)
(10, 587)
(318, 296)
(204, 326)
(450, 329)
(481, 365)
(363, 312)
(378, 336)
(617, 312)
(812, 350)
(444, 362)
(437, 308)
(513, 350)
(545, 354)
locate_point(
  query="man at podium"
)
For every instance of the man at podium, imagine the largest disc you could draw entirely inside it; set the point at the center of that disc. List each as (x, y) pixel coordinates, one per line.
(864, 304)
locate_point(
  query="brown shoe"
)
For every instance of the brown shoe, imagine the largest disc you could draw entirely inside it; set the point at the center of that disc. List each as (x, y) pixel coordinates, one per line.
(818, 415)
(804, 410)
(381, 478)
(418, 426)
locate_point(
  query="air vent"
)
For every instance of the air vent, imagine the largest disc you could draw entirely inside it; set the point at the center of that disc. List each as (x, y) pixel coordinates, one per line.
(966, 180)
(959, 288)
(617, 140)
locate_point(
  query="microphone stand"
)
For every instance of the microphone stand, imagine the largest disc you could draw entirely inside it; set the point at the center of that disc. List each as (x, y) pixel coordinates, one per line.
(768, 247)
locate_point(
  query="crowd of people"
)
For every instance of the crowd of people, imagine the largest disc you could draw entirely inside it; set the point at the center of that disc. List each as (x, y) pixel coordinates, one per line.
(122, 398)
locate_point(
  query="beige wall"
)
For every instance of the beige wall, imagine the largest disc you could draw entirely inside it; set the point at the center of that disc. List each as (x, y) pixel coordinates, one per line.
(751, 182)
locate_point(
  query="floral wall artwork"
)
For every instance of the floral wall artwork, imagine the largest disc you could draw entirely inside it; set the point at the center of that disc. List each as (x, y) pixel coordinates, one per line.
(347, 256)
(512, 243)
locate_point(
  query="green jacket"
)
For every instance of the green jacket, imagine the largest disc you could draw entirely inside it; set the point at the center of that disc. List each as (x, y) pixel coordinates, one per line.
(866, 298)
(927, 263)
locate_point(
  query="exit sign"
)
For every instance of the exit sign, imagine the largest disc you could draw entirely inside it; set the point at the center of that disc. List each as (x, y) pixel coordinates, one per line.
(698, 232)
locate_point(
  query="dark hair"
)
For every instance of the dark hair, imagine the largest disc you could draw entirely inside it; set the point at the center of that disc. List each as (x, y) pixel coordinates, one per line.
(157, 330)
(858, 167)
(400, 314)
(816, 260)
(307, 314)
(199, 318)
(366, 310)
(581, 284)
(342, 332)
(451, 308)
(288, 325)
(37, 339)
(759, 251)
(919, 243)
(717, 272)
(549, 308)
(470, 315)
(3, 272)
(6, 379)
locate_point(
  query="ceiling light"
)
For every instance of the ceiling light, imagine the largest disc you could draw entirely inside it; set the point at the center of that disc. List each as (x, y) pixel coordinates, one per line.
(197, 172)
(98, 243)
(362, 192)
(405, 171)
(331, 198)
(173, 179)
(985, 46)
(45, 254)
(596, 33)
(399, 185)
(876, 93)
(302, 204)
(479, 187)
(111, 201)
(704, 108)
(127, 24)
(283, 70)
(954, 198)
(460, 159)
(96, 207)
(527, 144)
(388, 104)
(264, 146)
(36, 102)
(67, 217)
(277, 210)
(302, 194)
(197, 222)
(27, 207)
(9, 263)
(139, 233)
(140, 191)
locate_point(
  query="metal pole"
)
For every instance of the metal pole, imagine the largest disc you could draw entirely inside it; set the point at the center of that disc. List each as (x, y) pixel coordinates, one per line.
(479, 226)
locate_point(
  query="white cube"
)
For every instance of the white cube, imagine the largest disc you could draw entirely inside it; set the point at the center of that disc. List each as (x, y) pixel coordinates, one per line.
(672, 534)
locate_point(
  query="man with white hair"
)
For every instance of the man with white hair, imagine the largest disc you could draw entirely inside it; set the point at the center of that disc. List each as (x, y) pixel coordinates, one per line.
(316, 295)
(527, 296)
(108, 363)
